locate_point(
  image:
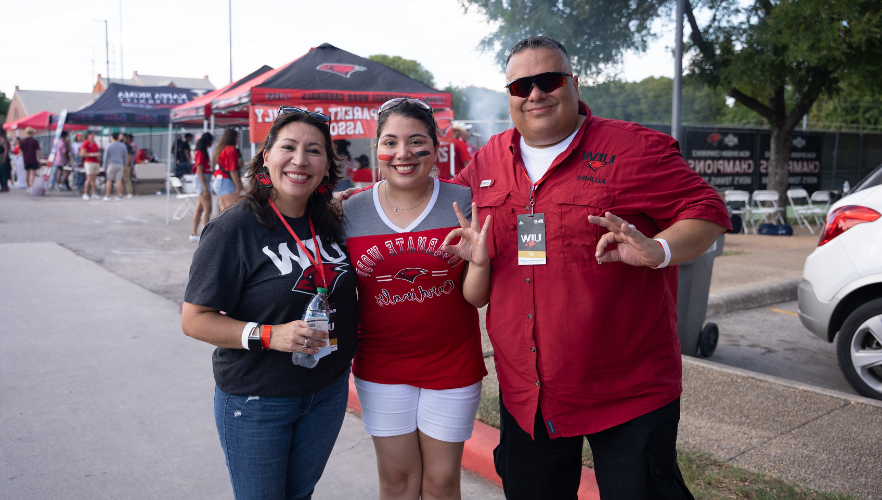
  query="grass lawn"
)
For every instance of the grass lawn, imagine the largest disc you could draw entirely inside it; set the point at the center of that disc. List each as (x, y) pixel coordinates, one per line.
(707, 477)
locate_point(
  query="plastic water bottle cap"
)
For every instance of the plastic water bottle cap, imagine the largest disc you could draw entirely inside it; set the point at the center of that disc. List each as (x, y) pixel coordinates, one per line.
(323, 290)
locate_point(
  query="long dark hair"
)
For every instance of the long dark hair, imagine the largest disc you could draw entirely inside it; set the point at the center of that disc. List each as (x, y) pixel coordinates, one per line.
(229, 138)
(202, 144)
(416, 112)
(323, 217)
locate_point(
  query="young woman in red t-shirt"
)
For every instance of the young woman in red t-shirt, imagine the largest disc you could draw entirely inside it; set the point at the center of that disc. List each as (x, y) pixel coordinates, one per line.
(202, 171)
(226, 182)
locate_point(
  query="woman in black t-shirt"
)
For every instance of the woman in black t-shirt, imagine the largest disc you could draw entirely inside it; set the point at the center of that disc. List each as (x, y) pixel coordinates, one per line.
(261, 261)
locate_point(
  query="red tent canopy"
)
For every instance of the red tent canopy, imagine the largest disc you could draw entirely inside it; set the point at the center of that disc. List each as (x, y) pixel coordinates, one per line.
(329, 80)
(199, 109)
(39, 121)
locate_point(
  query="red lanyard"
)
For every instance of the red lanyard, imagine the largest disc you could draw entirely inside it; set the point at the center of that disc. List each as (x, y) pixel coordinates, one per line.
(318, 246)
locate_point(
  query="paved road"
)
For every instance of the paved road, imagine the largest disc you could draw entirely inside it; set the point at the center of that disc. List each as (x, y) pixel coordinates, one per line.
(771, 340)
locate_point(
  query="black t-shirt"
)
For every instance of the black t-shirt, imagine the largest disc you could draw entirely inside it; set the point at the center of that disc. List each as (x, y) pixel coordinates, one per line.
(259, 275)
(180, 154)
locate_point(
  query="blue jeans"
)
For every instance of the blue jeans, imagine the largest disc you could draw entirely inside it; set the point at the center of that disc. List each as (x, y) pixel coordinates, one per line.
(278, 447)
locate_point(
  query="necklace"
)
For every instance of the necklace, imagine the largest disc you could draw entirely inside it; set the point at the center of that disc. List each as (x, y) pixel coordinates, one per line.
(394, 208)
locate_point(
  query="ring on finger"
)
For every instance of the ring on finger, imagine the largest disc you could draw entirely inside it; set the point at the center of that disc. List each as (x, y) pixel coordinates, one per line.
(633, 226)
(305, 341)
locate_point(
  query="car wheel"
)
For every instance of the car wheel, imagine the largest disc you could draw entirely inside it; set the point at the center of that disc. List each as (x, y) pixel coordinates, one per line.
(707, 340)
(859, 349)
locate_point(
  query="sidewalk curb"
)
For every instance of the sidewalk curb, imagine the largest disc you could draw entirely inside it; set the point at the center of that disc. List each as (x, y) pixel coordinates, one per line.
(751, 296)
(477, 454)
(851, 398)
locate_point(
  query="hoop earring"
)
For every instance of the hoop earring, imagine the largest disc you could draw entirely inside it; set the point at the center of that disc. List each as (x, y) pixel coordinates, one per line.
(263, 178)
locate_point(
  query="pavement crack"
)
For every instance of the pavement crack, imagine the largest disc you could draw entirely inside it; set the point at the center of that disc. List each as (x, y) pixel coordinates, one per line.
(351, 447)
(733, 458)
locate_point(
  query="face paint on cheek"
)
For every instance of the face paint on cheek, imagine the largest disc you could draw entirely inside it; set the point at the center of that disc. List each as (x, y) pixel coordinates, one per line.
(420, 154)
(384, 157)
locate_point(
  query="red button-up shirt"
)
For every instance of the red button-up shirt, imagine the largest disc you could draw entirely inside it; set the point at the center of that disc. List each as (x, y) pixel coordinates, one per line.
(593, 345)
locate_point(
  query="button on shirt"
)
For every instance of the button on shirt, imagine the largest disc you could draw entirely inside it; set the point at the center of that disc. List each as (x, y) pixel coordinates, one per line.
(592, 345)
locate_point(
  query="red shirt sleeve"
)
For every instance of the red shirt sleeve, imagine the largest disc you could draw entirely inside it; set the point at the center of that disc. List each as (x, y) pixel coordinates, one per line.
(228, 159)
(675, 192)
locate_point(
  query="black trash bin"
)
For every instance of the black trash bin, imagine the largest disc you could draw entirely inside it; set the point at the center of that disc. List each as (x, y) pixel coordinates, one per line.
(696, 338)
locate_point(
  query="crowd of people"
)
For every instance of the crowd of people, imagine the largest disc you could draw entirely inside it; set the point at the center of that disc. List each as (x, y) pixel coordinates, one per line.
(406, 262)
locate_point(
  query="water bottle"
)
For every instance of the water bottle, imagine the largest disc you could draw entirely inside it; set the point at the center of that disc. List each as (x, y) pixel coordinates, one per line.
(317, 316)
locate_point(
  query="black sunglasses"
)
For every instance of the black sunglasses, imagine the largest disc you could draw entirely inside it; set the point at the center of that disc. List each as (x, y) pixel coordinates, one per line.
(398, 101)
(284, 110)
(547, 82)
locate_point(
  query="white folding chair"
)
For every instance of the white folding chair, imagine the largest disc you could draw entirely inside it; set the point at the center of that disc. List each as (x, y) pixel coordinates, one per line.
(182, 194)
(803, 208)
(739, 203)
(770, 213)
(821, 197)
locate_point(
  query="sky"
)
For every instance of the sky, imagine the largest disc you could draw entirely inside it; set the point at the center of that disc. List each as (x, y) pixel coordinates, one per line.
(55, 45)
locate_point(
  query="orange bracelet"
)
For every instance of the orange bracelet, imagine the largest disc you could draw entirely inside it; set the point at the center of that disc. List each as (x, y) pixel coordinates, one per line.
(266, 331)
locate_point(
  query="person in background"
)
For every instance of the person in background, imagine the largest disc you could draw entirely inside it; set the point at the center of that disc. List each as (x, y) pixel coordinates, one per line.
(463, 133)
(202, 171)
(18, 169)
(30, 150)
(89, 153)
(129, 141)
(181, 150)
(59, 175)
(115, 158)
(277, 421)
(77, 162)
(5, 164)
(362, 176)
(227, 183)
(462, 148)
(347, 165)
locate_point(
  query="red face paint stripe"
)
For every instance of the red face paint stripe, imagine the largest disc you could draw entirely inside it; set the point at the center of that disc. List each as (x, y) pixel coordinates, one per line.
(384, 157)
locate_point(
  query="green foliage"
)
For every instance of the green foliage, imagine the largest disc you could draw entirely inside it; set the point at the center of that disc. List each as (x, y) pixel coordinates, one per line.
(4, 106)
(408, 67)
(649, 101)
(850, 108)
(596, 33)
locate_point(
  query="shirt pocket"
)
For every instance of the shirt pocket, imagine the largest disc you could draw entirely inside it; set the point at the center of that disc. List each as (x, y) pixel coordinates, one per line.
(502, 235)
(578, 238)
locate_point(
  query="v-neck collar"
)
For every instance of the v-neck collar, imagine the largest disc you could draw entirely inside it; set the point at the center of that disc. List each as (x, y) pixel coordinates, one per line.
(416, 221)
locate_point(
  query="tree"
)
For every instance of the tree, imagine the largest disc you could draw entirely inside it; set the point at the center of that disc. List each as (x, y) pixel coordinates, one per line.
(408, 67)
(4, 106)
(757, 52)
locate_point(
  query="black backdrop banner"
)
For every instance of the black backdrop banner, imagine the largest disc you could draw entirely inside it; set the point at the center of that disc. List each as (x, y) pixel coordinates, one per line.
(725, 159)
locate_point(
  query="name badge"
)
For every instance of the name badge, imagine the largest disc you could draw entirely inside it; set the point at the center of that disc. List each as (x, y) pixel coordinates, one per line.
(486, 183)
(531, 239)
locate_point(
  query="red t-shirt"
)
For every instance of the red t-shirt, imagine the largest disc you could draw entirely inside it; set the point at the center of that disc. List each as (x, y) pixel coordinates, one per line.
(201, 159)
(227, 160)
(415, 326)
(362, 175)
(593, 345)
(89, 147)
(462, 155)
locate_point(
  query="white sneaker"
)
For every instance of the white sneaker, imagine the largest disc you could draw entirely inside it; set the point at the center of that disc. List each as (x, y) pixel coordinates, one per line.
(118, 198)
(194, 238)
(106, 198)
(86, 197)
(129, 196)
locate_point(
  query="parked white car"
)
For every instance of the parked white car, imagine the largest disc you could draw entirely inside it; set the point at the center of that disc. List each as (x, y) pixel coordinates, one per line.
(841, 288)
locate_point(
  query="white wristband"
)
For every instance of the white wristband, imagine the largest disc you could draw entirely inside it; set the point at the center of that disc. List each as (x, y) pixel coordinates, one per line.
(245, 332)
(667, 249)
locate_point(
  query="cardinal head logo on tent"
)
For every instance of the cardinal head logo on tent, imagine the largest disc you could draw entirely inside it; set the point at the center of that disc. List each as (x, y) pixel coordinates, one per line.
(340, 69)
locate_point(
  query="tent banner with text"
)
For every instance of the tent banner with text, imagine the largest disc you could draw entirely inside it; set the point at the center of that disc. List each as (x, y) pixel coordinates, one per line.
(347, 122)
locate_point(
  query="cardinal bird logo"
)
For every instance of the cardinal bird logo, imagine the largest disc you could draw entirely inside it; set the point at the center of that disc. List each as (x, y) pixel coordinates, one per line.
(325, 190)
(410, 274)
(714, 138)
(531, 244)
(306, 281)
(344, 70)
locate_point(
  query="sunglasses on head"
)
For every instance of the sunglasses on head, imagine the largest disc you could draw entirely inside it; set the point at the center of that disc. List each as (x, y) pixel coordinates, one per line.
(547, 82)
(398, 101)
(284, 110)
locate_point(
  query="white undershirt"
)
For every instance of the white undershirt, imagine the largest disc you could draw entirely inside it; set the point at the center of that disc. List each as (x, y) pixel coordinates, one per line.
(537, 160)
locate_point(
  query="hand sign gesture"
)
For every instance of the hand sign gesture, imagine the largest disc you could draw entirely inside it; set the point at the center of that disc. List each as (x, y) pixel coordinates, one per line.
(633, 247)
(472, 244)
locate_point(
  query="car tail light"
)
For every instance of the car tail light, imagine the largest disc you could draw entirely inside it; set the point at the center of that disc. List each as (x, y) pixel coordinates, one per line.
(844, 218)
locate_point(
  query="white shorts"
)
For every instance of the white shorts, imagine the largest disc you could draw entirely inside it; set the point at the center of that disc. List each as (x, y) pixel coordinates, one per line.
(394, 410)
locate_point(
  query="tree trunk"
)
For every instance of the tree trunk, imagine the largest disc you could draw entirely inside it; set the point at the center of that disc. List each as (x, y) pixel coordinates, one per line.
(779, 162)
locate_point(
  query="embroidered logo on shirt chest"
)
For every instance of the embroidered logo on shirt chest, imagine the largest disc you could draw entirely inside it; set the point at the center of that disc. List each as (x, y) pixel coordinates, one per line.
(594, 162)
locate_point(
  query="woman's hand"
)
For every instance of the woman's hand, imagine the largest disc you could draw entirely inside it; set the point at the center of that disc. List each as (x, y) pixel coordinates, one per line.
(633, 248)
(336, 201)
(472, 244)
(297, 337)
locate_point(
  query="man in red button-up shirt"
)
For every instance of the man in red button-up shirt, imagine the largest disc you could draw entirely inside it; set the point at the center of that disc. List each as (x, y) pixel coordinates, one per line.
(586, 343)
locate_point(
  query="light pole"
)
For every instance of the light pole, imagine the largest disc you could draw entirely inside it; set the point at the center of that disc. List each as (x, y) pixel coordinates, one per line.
(230, 6)
(106, 48)
(676, 127)
(122, 73)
